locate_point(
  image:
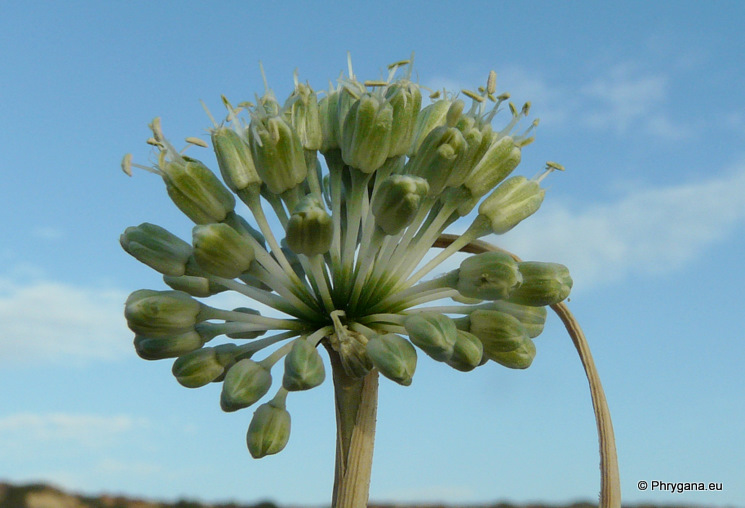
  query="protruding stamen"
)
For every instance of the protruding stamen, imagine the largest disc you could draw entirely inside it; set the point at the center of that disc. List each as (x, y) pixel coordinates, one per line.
(375, 83)
(472, 95)
(550, 168)
(197, 142)
(127, 164)
(491, 83)
(435, 95)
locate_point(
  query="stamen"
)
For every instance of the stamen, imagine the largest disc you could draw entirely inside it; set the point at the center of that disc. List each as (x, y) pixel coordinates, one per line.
(375, 83)
(197, 142)
(472, 95)
(127, 164)
(209, 115)
(491, 83)
(550, 168)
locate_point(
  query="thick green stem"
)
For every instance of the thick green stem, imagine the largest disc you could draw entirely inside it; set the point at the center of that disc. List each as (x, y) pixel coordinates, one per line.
(356, 409)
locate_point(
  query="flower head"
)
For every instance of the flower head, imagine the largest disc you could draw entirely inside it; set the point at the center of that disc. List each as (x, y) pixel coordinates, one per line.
(344, 267)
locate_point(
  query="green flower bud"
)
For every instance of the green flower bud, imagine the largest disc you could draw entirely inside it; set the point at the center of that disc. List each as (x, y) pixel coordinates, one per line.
(168, 346)
(226, 354)
(366, 133)
(194, 285)
(269, 430)
(498, 162)
(474, 131)
(517, 198)
(532, 318)
(488, 276)
(397, 201)
(428, 118)
(157, 248)
(303, 114)
(303, 367)
(519, 358)
(197, 368)
(310, 229)
(245, 335)
(245, 383)
(196, 191)
(497, 331)
(351, 347)
(467, 352)
(277, 153)
(234, 159)
(160, 313)
(436, 157)
(393, 356)
(328, 114)
(543, 284)
(221, 251)
(406, 100)
(433, 333)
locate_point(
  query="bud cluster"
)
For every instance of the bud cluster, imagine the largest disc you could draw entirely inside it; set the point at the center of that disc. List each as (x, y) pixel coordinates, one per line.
(361, 181)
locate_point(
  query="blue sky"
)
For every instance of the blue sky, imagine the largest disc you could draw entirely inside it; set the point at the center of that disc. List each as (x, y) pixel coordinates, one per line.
(643, 104)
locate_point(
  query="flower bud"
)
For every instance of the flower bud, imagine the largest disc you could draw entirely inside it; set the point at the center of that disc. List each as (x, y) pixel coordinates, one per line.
(436, 157)
(310, 229)
(269, 430)
(498, 162)
(245, 383)
(351, 347)
(157, 248)
(497, 331)
(303, 367)
(221, 251)
(428, 118)
(303, 114)
(393, 356)
(194, 285)
(277, 153)
(366, 133)
(225, 354)
(467, 352)
(433, 333)
(406, 100)
(519, 358)
(168, 346)
(197, 368)
(532, 318)
(543, 284)
(196, 191)
(160, 313)
(517, 198)
(397, 201)
(234, 159)
(327, 111)
(488, 276)
(245, 335)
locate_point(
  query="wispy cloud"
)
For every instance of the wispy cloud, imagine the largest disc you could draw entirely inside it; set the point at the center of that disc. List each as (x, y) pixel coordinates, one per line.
(625, 98)
(73, 428)
(647, 230)
(46, 321)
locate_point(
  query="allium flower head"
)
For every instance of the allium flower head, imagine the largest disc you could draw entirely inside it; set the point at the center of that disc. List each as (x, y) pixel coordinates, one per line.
(362, 181)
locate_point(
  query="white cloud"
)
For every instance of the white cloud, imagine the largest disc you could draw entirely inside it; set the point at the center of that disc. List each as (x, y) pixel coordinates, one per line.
(624, 99)
(78, 429)
(648, 230)
(54, 322)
